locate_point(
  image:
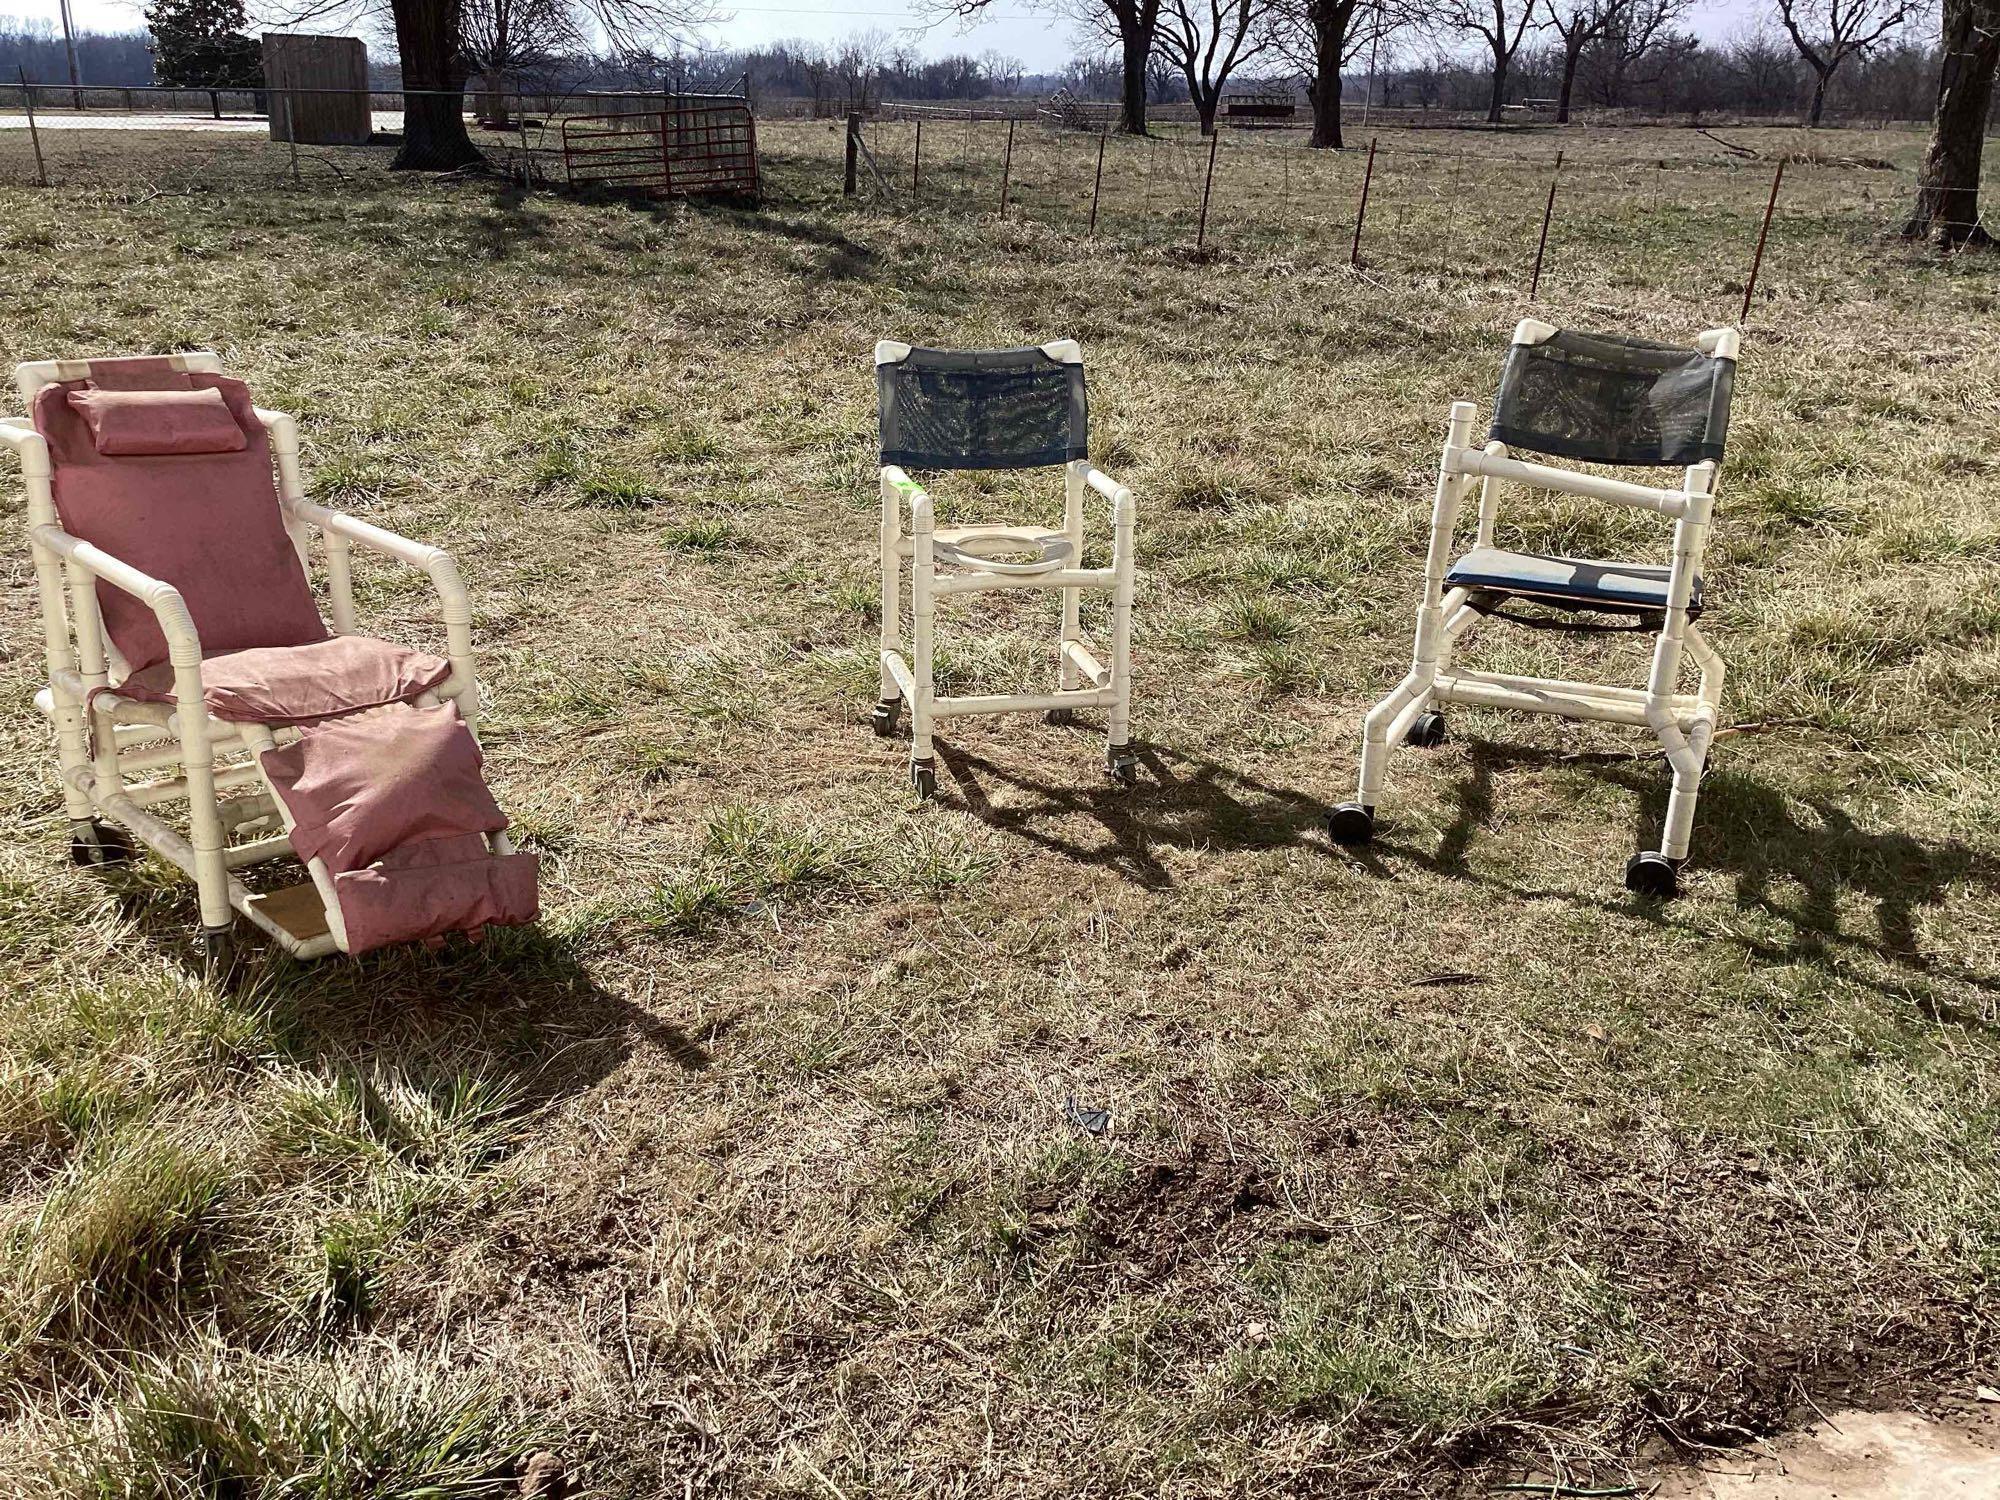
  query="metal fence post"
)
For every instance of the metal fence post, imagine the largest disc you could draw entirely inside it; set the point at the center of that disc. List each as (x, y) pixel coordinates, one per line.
(527, 161)
(1007, 165)
(917, 155)
(291, 138)
(1361, 213)
(848, 183)
(1097, 185)
(1548, 212)
(1757, 260)
(34, 131)
(1208, 182)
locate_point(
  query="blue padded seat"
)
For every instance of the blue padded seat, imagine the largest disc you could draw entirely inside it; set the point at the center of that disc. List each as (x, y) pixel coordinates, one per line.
(1576, 582)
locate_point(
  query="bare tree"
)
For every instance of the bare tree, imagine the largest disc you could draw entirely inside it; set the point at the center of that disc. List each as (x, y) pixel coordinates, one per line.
(1641, 30)
(1488, 20)
(1132, 26)
(1208, 40)
(1578, 24)
(1828, 32)
(1948, 182)
(1319, 38)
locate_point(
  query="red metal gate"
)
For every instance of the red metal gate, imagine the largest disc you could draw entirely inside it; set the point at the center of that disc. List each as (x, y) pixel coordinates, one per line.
(680, 148)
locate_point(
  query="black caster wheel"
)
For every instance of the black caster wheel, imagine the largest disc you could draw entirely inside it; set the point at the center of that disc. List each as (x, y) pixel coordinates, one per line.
(1427, 732)
(883, 719)
(220, 962)
(1122, 766)
(1351, 823)
(1060, 716)
(923, 776)
(94, 844)
(1652, 874)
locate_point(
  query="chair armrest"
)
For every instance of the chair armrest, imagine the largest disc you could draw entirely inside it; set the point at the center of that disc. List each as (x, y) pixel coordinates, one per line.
(176, 624)
(919, 499)
(28, 447)
(419, 555)
(1123, 511)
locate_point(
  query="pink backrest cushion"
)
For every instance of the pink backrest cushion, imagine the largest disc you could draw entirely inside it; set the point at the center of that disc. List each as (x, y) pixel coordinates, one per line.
(128, 424)
(207, 523)
(141, 372)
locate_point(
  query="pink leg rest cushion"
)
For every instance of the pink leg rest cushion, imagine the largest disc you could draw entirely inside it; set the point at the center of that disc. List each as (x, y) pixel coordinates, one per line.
(435, 886)
(207, 523)
(299, 684)
(359, 787)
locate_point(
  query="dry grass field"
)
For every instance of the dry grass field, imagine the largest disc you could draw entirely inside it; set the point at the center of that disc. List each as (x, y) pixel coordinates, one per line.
(751, 1171)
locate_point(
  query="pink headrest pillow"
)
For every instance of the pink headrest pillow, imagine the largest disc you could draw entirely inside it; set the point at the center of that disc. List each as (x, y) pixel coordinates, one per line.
(130, 424)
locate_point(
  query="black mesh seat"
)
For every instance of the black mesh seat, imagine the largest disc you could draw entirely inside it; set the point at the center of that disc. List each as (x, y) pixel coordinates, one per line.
(1568, 582)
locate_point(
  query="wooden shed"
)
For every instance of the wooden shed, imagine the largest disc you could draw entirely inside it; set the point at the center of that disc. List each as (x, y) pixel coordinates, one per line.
(318, 88)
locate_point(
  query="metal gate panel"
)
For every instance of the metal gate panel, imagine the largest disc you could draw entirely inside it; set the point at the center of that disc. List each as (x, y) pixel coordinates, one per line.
(680, 149)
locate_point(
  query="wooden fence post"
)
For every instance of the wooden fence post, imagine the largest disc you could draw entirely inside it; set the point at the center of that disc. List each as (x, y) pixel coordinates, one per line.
(34, 131)
(1548, 212)
(1208, 182)
(1757, 260)
(1361, 213)
(1007, 166)
(1097, 186)
(849, 186)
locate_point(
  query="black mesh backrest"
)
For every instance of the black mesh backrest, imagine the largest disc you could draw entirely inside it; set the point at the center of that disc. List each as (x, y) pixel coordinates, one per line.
(1611, 400)
(981, 409)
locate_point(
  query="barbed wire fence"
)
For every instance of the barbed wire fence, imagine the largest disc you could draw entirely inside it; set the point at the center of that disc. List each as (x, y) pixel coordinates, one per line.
(1417, 204)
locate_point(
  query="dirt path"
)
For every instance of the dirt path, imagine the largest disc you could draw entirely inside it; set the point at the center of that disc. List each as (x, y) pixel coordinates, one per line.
(1858, 1455)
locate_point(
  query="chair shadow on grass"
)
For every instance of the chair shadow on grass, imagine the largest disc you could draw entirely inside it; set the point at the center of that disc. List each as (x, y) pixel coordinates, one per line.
(1768, 842)
(1182, 801)
(520, 1005)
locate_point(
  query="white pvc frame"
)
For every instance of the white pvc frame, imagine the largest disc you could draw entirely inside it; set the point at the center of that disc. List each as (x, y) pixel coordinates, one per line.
(1684, 723)
(1083, 680)
(120, 758)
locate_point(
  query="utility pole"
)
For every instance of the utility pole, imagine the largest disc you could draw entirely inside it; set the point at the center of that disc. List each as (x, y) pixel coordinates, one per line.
(69, 43)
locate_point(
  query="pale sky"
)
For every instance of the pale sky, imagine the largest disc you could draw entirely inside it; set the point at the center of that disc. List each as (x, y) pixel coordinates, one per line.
(1042, 40)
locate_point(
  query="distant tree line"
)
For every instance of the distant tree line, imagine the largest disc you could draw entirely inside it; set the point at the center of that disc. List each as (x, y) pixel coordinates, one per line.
(34, 49)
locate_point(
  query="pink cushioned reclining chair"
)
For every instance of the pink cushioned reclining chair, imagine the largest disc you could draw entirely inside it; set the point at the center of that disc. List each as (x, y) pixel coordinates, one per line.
(188, 662)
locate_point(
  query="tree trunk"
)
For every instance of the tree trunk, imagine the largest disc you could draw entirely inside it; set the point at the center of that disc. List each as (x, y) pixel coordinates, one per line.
(1325, 91)
(1571, 57)
(1499, 88)
(1137, 44)
(1205, 106)
(1818, 100)
(429, 39)
(1948, 182)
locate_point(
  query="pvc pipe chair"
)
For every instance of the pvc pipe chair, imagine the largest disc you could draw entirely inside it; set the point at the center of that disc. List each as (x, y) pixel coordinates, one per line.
(995, 409)
(208, 677)
(1594, 398)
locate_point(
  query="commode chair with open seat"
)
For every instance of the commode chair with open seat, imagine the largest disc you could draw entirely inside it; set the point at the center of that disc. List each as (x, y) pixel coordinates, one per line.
(1596, 399)
(188, 663)
(995, 409)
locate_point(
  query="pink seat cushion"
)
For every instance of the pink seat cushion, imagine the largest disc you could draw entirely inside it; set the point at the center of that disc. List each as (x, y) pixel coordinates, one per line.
(299, 684)
(435, 886)
(207, 523)
(359, 787)
(138, 423)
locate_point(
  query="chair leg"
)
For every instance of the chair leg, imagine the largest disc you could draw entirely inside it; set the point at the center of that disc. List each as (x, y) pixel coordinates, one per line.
(923, 765)
(1118, 757)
